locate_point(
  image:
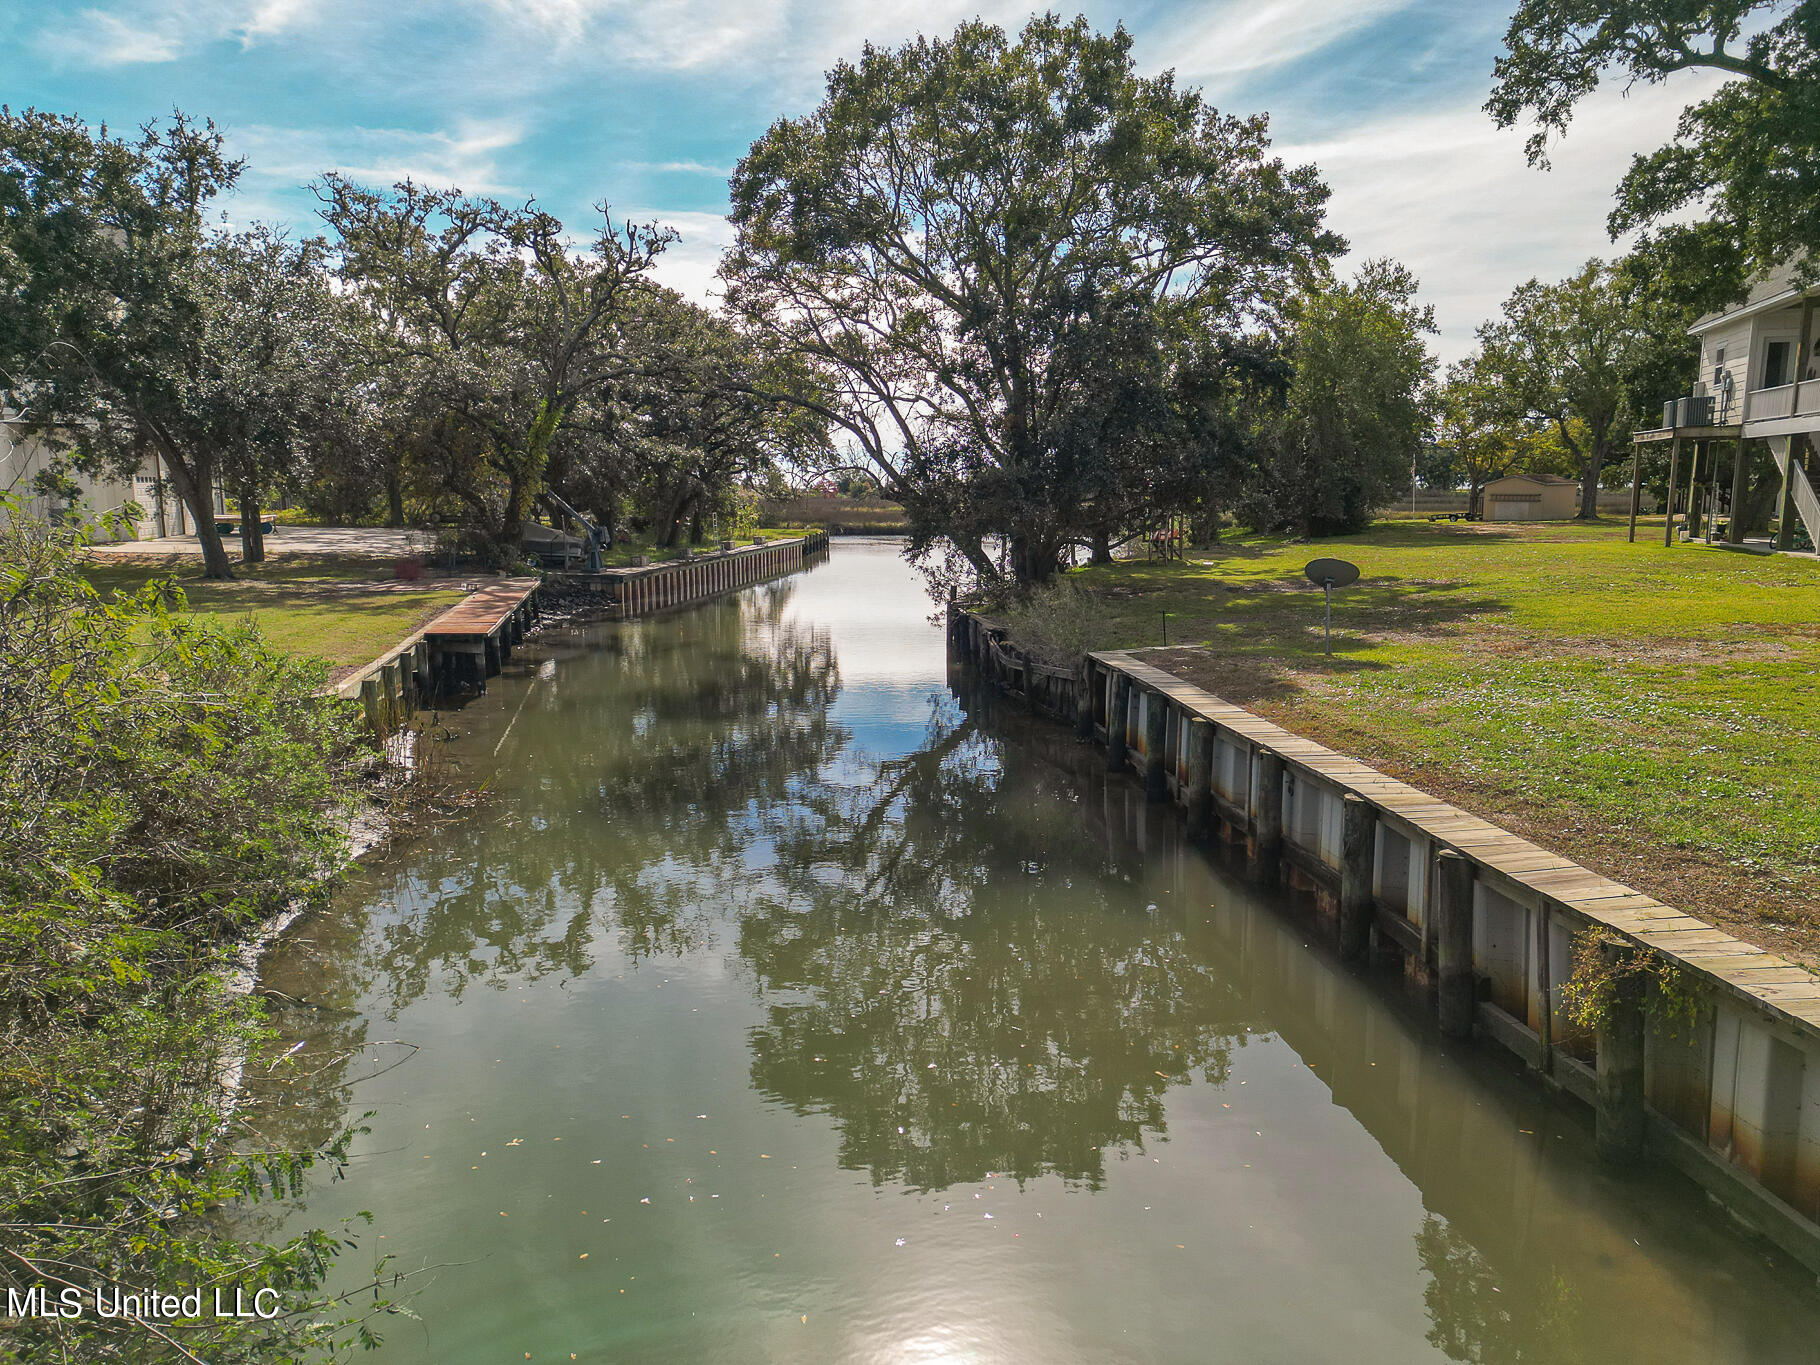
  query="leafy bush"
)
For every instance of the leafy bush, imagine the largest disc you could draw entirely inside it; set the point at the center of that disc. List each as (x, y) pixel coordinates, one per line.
(165, 789)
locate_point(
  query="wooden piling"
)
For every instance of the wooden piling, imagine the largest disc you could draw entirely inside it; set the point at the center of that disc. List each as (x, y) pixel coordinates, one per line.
(392, 701)
(1453, 911)
(1734, 524)
(1358, 835)
(370, 703)
(1267, 815)
(1674, 470)
(1118, 724)
(1200, 777)
(1156, 731)
(1620, 1121)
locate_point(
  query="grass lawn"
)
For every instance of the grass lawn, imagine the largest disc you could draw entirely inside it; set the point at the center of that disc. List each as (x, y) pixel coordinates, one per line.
(346, 611)
(1651, 712)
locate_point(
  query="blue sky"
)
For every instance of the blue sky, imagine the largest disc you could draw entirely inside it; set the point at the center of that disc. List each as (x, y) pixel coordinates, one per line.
(648, 105)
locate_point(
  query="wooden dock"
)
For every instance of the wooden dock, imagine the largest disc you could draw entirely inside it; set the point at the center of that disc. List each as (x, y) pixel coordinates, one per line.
(471, 641)
(466, 644)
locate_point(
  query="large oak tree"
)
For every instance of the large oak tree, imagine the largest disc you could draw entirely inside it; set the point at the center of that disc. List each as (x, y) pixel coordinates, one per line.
(1568, 354)
(967, 231)
(493, 329)
(102, 325)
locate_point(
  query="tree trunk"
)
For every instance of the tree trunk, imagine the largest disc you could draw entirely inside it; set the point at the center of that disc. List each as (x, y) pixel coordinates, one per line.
(394, 496)
(1033, 560)
(1589, 485)
(1102, 546)
(681, 498)
(196, 486)
(252, 536)
(696, 531)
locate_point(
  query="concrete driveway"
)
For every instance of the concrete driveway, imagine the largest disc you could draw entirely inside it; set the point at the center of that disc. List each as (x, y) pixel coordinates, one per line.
(377, 541)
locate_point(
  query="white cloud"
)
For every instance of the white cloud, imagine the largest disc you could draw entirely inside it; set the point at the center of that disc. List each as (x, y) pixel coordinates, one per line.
(1452, 197)
(679, 167)
(97, 38)
(145, 32)
(1240, 36)
(268, 18)
(462, 156)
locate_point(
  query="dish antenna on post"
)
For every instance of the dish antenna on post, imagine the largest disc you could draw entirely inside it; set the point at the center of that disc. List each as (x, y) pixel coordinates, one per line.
(1329, 574)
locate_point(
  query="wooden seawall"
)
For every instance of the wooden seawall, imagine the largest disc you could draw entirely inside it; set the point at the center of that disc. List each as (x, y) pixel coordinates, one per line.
(647, 588)
(1726, 1089)
(471, 641)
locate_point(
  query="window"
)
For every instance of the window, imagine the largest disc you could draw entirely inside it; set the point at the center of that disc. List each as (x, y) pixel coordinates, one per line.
(1776, 364)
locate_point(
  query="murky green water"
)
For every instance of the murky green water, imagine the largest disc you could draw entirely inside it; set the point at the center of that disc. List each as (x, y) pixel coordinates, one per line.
(781, 1004)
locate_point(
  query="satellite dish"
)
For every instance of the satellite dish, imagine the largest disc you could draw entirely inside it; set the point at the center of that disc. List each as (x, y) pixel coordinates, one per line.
(1328, 574)
(1331, 573)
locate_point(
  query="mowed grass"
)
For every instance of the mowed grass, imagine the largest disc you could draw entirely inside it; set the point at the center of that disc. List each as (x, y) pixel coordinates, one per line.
(346, 612)
(1651, 711)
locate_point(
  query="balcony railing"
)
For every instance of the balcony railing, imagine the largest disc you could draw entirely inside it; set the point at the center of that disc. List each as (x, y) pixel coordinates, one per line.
(1764, 405)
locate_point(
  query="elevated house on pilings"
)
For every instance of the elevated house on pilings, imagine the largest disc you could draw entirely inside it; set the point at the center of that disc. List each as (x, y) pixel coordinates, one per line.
(1759, 381)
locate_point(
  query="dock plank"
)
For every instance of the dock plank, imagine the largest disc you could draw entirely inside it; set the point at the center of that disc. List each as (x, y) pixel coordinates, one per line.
(483, 612)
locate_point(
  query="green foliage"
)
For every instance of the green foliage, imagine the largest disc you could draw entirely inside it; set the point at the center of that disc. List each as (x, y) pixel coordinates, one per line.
(674, 442)
(102, 241)
(165, 788)
(1575, 356)
(1747, 157)
(1056, 622)
(1487, 433)
(1354, 418)
(1604, 965)
(490, 330)
(1019, 268)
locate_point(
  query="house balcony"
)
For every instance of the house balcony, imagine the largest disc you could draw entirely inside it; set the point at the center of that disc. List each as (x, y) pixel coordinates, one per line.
(1782, 410)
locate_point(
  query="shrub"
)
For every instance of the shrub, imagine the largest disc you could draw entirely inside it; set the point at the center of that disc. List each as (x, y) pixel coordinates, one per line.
(1057, 624)
(165, 788)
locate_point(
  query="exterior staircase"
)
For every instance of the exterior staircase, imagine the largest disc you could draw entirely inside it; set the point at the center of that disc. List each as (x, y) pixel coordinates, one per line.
(1807, 505)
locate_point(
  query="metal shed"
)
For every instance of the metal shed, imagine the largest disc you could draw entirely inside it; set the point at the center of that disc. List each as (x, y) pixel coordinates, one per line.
(1531, 497)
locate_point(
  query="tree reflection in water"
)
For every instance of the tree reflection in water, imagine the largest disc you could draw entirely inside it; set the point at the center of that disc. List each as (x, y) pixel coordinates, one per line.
(641, 756)
(1473, 1319)
(964, 986)
(644, 759)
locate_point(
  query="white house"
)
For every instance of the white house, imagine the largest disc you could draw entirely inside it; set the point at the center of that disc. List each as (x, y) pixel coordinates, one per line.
(1759, 380)
(161, 511)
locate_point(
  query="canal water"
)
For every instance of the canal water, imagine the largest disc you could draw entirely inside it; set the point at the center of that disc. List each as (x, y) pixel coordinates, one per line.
(782, 1002)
